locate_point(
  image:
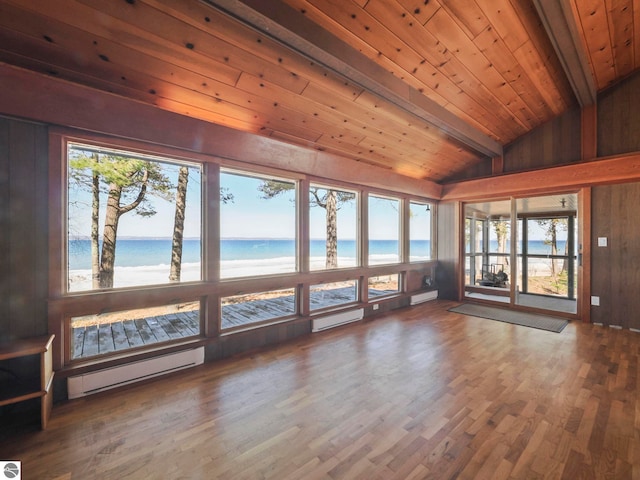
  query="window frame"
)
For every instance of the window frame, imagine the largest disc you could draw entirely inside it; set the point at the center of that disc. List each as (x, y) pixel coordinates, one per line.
(64, 305)
(358, 233)
(432, 208)
(161, 159)
(401, 232)
(266, 175)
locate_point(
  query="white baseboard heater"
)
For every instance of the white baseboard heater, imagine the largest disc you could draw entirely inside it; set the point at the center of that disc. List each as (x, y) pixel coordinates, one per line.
(424, 297)
(341, 318)
(98, 381)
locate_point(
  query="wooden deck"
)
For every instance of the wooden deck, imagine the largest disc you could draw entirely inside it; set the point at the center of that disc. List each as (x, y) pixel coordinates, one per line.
(111, 337)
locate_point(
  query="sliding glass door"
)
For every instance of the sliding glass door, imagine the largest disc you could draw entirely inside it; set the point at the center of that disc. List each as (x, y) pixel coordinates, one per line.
(523, 252)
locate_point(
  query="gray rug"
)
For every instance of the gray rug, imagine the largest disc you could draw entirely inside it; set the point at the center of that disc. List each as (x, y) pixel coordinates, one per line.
(533, 320)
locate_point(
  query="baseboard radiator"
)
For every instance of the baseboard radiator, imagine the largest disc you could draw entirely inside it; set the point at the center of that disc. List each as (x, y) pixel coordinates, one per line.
(341, 318)
(98, 381)
(424, 297)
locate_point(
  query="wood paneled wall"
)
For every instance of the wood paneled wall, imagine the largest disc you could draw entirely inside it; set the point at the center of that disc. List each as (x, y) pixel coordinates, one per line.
(481, 169)
(615, 272)
(448, 253)
(615, 269)
(556, 142)
(619, 118)
(23, 229)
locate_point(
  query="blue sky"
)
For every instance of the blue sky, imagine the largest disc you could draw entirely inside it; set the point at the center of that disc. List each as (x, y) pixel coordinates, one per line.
(248, 215)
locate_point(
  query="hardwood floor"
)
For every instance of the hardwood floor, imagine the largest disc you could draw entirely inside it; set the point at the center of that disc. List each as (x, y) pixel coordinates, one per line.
(419, 393)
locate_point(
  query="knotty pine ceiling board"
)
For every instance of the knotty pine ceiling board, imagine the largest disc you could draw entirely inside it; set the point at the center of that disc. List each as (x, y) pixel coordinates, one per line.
(488, 62)
(463, 49)
(441, 41)
(356, 26)
(620, 17)
(592, 14)
(232, 102)
(437, 52)
(387, 154)
(610, 31)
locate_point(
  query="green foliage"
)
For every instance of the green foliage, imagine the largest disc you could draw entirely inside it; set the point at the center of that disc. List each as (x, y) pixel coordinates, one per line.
(501, 227)
(226, 196)
(127, 173)
(319, 196)
(273, 188)
(551, 227)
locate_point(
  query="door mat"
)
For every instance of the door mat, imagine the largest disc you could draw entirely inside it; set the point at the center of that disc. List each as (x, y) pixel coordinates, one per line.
(525, 319)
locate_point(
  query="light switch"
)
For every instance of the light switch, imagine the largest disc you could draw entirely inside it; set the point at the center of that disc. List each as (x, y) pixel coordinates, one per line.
(602, 241)
(595, 301)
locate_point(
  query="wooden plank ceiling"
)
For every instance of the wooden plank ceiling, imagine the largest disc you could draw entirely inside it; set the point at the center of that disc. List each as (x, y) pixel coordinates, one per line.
(425, 88)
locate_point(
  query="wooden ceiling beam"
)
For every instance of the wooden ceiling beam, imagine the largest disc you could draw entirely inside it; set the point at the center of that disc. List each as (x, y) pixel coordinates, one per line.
(603, 171)
(559, 22)
(292, 29)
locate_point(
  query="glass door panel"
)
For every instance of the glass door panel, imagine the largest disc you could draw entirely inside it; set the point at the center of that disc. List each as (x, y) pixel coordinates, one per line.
(524, 258)
(487, 250)
(546, 257)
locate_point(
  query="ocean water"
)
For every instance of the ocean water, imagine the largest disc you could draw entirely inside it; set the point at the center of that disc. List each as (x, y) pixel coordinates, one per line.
(147, 261)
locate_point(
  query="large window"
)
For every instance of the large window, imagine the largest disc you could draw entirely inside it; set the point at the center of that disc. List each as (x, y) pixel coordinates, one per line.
(333, 219)
(384, 230)
(138, 224)
(419, 232)
(132, 220)
(257, 225)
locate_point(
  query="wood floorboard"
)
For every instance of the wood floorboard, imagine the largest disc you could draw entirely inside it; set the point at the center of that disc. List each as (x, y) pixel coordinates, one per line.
(147, 335)
(420, 393)
(133, 335)
(157, 328)
(120, 340)
(231, 319)
(105, 339)
(90, 346)
(78, 341)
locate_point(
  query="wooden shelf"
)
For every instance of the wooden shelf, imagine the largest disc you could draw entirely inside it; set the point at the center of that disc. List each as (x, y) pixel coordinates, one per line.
(21, 389)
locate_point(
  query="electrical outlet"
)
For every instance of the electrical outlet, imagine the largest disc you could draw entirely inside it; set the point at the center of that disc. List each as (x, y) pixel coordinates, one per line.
(595, 301)
(376, 306)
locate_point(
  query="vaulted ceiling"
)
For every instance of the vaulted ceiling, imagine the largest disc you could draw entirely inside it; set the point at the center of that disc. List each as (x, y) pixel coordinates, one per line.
(424, 88)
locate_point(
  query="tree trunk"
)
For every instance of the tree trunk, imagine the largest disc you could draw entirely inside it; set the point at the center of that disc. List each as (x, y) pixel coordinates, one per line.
(95, 227)
(112, 217)
(178, 225)
(564, 263)
(332, 230)
(554, 246)
(502, 230)
(110, 233)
